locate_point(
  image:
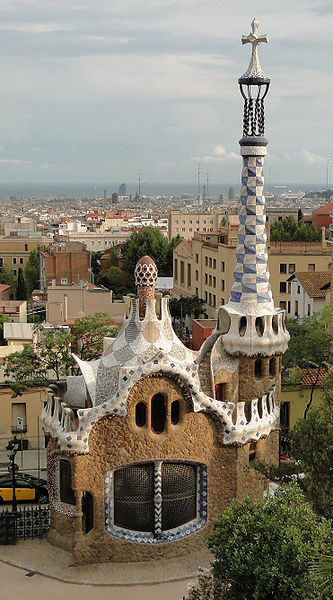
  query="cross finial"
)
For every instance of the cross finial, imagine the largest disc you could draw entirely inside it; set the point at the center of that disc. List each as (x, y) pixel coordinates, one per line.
(254, 69)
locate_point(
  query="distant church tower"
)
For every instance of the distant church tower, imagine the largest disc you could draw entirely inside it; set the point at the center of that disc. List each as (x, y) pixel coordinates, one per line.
(152, 441)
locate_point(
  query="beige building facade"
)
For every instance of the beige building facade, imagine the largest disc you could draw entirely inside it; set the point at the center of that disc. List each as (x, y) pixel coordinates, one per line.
(15, 251)
(70, 302)
(186, 224)
(204, 267)
(28, 407)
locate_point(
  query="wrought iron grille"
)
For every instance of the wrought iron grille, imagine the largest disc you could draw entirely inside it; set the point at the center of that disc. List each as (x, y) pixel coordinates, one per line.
(155, 496)
(26, 523)
(179, 494)
(134, 497)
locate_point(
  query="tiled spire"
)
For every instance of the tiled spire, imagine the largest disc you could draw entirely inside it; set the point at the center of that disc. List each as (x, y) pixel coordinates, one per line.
(249, 323)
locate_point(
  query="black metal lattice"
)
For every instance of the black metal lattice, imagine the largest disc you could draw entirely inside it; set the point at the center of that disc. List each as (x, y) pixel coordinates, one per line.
(26, 523)
(179, 494)
(134, 497)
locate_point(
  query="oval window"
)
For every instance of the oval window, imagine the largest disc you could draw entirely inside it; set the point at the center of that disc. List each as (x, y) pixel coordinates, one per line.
(242, 326)
(260, 326)
(158, 413)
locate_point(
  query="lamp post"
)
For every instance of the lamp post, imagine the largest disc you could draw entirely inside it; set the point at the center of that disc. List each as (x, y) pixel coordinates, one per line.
(12, 448)
(327, 165)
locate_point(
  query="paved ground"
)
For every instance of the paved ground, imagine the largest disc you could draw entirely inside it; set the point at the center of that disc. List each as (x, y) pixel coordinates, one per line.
(55, 575)
(15, 584)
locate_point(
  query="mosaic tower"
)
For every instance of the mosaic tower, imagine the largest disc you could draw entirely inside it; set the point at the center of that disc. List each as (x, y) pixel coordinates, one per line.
(250, 323)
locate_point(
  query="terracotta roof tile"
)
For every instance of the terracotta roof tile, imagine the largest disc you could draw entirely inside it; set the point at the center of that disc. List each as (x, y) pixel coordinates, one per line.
(313, 282)
(309, 377)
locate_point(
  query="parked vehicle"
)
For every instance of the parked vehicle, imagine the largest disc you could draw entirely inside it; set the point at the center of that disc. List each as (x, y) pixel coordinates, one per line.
(27, 489)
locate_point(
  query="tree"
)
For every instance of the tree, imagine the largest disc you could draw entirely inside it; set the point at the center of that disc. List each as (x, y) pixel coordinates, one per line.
(148, 241)
(7, 276)
(21, 290)
(315, 334)
(289, 230)
(114, 279)
(54, 350)
(87, 335)
(32, 271)
(96, 262)
(26, 370)
(264, 551)
(3, 319)
(312, 444)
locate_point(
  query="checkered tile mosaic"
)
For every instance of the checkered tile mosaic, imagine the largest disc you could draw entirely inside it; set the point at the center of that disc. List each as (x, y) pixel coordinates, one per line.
(251, 276)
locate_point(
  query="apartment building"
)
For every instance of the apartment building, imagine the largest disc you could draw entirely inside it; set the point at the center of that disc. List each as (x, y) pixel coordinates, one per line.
(63, 264)
(186, 224)
(15, 250)
(204, 266)
(95, 241)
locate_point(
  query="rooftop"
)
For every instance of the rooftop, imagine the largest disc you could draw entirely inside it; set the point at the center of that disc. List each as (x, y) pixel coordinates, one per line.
(314, 282)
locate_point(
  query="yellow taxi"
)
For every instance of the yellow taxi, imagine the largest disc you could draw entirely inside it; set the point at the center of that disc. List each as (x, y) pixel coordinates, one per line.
(27, 489)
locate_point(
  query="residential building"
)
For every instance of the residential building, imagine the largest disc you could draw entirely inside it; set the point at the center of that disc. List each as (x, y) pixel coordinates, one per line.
(16, 310)
(95, 241)
(15, 250)
(186, 224)
(18, 334)
(309, 292)
(296, 396)
(64, 263)
(204, 266)
(66, 303)
(28, 407)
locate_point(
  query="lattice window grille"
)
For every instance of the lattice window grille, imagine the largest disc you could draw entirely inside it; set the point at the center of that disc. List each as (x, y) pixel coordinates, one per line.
(158, 534)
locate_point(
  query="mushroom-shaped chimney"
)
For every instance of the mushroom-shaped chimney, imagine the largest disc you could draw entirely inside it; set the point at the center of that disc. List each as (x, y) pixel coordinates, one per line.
(145, 274)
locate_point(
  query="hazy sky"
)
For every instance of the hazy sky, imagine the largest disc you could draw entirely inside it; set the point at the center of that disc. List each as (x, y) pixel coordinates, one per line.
(94, 90)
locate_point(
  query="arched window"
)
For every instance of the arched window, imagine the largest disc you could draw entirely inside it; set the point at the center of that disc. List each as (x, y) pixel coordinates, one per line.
(140, 414)
(257, 368)
(177, 489)
(260, 326)
(175, 412)
(158, 413)
(242, 326)
(273, 367)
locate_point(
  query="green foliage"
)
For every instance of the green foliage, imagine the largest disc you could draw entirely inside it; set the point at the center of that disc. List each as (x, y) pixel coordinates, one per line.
(87, 335)
(312, 444)
(114, 279)
(193, 306)
(289, 230)
(284, 472)
(21, 290)
(322, 569)
(113, 257)
(26, 370)
(148, 241)
(7, 276)
(31, 271)
(265, 551)
(52, 358)
(95, 262)
(172, 244)
(3, 319)
(310, 339)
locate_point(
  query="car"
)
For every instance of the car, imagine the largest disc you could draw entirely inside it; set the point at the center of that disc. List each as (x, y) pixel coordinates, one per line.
(27, 489)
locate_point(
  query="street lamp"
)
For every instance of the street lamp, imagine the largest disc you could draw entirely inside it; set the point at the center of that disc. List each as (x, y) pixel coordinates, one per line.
(12, 448)
(328, 162)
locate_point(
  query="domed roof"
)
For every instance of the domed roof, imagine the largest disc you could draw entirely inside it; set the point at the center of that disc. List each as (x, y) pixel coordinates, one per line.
(145, 272)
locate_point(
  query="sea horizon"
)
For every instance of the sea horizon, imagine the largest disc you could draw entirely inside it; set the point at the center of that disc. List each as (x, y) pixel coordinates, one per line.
(91, 189)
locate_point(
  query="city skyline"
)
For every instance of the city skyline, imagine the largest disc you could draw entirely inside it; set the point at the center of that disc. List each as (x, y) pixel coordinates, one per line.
(93, 92)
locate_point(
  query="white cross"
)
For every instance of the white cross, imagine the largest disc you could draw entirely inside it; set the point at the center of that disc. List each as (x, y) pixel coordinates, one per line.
(254, 69)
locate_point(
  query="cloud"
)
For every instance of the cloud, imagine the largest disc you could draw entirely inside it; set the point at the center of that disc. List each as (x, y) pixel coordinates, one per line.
(311, 158)
(35, 27)
(15, 161)
(219, 155)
